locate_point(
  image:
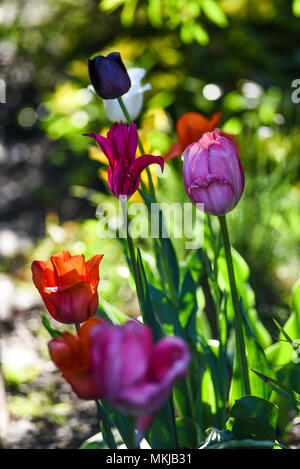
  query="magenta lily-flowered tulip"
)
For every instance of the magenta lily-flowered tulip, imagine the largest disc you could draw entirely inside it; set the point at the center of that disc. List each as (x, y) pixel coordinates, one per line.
(213, 174)
(133, 374)
(125, 170)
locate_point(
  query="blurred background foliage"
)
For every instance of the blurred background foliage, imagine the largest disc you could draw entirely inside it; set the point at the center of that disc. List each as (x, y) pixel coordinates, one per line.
(237, 56)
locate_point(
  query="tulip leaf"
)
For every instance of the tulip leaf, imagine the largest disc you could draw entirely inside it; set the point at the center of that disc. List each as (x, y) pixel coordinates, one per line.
(252, 417)
(279, 388)
(188, 305)
(165, 311)
(109, 313)
(145, 299)
(187, 432)
(53, 332)
(211, 354)
(120, 421)
(162, 433)
(105, 426)
(167, 263)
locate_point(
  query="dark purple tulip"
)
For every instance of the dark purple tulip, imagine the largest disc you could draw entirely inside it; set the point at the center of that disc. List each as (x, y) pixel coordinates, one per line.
(109, 76)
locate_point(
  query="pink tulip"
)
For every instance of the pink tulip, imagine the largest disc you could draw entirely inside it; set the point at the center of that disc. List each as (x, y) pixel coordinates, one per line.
(125, 170)
(213, 174)
(133, 374)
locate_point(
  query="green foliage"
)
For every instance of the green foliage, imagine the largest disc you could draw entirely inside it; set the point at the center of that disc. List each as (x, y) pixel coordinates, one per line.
(253, 418)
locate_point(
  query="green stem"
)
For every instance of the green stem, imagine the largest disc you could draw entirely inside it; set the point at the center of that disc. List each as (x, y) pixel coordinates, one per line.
(105, 426)
(172, 406)
(129, 121)
(130, 246)
(131, 442)
(237, 308)
(77, 325)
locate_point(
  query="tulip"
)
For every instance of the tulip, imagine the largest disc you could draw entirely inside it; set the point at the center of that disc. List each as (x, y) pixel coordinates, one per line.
(133, 99)
(68, 285)
(125, 170)
(72, 355)
(109, 76)
(189, 128)
(133, 374)
(213, 174)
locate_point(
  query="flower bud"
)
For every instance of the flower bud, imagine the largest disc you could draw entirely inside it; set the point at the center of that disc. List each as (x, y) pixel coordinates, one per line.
(109, 76)
(213, 174)
(133, 99)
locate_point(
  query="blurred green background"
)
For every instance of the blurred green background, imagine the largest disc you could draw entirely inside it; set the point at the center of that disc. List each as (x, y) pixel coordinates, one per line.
(237, 56)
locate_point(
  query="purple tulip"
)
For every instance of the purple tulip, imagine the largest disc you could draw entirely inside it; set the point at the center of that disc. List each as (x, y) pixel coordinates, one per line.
(213, 174)
(125, 170)
(134, 375)
(109, 76)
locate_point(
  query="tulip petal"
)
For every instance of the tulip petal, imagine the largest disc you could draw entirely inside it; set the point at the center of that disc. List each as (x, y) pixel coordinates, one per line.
(70, 272)
(174, 151)
(217, 197)
(195, 162)
(105, 144)
(192, 125)
(138, 166)
(224, 162)
(125, 141)
(92, 268)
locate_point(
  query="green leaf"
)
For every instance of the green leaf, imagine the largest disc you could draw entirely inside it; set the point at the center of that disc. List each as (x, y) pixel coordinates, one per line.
(105, 426)
(109, 313)
(211, 354)
(165, 311)
(296, 8)
(253, 417)
(188, 305)
(120, 421)
(279, 388)
(187, 432)
(95, 442)
(214, 13)
(53, 332)
(162, 435)
(145, 299)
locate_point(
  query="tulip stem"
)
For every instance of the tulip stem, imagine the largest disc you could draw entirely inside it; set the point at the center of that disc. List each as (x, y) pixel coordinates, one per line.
(129, 121)
(237, 309)
(130, 245)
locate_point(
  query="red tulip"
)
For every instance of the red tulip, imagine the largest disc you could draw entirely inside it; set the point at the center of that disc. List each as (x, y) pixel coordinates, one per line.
(68, 285)
(213, 174)
(189, 128)
(125, 170)
(133, 374)
(72, 355)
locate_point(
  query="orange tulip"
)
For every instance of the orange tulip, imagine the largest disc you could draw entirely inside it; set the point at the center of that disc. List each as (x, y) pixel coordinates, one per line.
(189, 128)
(72, 355)
(68, 285)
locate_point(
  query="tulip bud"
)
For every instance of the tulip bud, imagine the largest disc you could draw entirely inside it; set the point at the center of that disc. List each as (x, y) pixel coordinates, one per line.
(109, 76)
(133, 99)
(213, 174)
